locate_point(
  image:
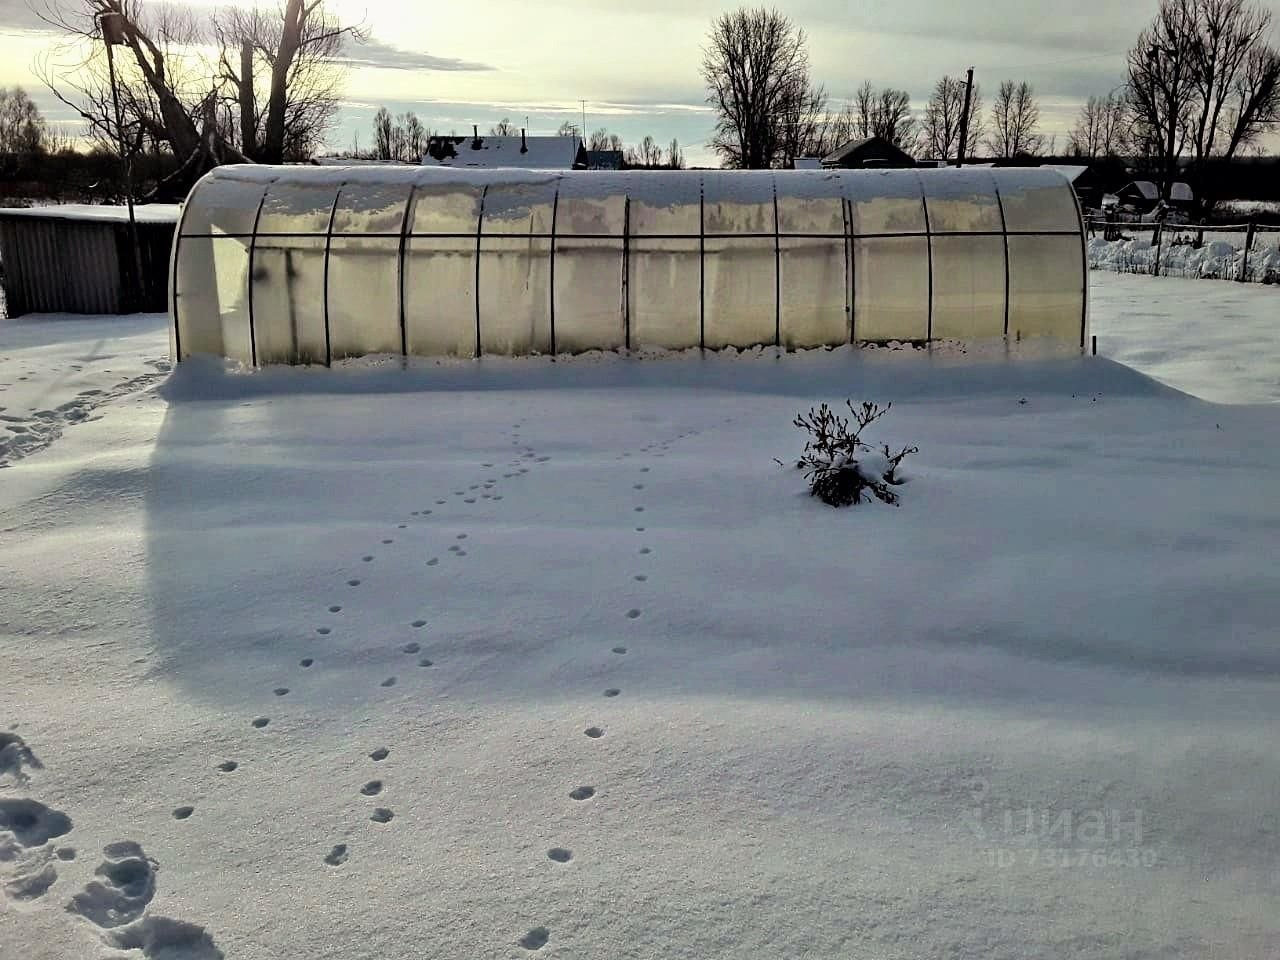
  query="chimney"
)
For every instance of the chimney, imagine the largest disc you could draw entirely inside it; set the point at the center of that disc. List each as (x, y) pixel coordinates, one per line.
(475, 136)
(524, 145)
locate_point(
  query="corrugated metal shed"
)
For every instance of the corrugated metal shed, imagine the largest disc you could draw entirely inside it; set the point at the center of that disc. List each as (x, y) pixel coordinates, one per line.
(72, 259)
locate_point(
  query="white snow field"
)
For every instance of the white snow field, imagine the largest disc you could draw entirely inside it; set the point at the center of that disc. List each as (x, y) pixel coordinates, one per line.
(520, 658)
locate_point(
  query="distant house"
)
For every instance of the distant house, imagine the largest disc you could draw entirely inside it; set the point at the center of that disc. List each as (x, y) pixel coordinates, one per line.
(604, 159)
(536, 153)
(874, 152)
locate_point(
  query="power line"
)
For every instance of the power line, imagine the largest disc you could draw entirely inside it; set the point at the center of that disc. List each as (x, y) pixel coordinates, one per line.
(1053, 63)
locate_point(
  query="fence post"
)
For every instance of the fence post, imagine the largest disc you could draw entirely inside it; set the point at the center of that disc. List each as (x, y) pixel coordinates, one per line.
(1244, 261)
(1155, 266)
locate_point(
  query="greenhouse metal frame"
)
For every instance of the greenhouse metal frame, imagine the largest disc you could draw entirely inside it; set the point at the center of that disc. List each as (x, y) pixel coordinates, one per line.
(310, 265)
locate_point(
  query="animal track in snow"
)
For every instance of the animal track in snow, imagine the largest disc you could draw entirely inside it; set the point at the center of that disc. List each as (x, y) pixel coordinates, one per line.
(619, 649)
(641, 577)
(161, 938)
(424, 662)
(305, 662)
(418, 623)
(595, 733)
(337, 856)
(389, 682)
(433, 561)
(367, 558)
(280, 691)
(183, 813)
(31, 822)
(535, 939)
(14, 756)
(645, 550)
(66, 853)
(226, 766)
(582, 793)
(411, 647)
(612, 692)
(560, 854)
(261, 722)
(335, 608)
(381, 815)
(633, 613)
(324, 631)
(353, 583)
(125, 885)
(372, 788)
(380, 754)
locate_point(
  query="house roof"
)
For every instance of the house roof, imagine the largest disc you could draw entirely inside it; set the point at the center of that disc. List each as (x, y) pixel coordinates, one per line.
(1148, 189)
(1072, 172)
(862, 144)
(531, 153)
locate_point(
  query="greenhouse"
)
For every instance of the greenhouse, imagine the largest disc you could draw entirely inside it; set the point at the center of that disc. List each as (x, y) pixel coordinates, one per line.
(311, 265)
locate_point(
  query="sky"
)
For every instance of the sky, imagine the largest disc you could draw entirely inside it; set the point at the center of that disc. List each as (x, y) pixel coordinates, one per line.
(636, 64)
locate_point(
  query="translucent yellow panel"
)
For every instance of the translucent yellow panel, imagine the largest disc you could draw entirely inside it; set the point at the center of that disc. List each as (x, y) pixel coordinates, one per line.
(364, 296)
(292, 207)
(738, 202)
(515, 295)
(519, 208)
(591, 207)
(661, 205)
(740, 293)
(439, 296)
(961, 201)
(814, 298)
(366, 207)
(211, 291)
(663, 292)
(288, 299)
(809, 215)
(1046, 287)
(1037, 200)
(885, 201)
(588, 295)
(222, 204)
(968, 287)
(891, 288)
(446, 208)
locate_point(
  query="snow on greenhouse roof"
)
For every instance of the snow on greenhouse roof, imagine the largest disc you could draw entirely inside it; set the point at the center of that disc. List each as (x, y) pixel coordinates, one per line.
(534, 153)
(143, 213)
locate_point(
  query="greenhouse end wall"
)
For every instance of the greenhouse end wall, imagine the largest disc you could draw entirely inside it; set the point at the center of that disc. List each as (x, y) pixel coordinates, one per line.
(310, 265)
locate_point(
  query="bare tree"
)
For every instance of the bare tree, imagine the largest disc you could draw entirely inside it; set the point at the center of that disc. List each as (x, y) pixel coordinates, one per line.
(1015, 115)
(1254, 106)
(383, 135)
(22, 128)
(599, 140)
(415, 137)
(675, 156)
(1101, 129)
(567, 129)
(884, 113)
(647, 155)
(503, 128)
(756, 69)
(941, 121)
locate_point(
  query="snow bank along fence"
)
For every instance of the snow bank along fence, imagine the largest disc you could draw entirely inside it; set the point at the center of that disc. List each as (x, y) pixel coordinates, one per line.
(1246, 252)
(79, 259)
(308, 265)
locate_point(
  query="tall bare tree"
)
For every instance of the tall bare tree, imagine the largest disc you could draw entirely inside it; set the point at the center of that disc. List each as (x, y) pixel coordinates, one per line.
(756, 69)
(22, 128)
(503, 128)
(383, 135)
(1101, 129)
(675, 156)
(884, 113)
(941, 121)
(1015, 117)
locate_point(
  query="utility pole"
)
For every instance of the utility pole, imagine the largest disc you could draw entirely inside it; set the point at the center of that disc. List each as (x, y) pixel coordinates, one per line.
(584, 120)
(964, 118)
(112, 26)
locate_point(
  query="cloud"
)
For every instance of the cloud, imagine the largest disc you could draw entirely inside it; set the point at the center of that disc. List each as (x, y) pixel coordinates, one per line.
(17, 16)
(377, 53)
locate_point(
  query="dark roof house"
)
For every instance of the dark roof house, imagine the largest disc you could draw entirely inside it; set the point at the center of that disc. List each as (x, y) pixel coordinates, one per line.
(868, 152)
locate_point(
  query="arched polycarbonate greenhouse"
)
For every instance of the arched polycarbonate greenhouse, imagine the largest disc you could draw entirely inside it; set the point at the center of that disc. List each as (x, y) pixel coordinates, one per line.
(309, 265)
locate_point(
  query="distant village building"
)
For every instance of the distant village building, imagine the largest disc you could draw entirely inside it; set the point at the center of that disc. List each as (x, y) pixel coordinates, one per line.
(873, 152)
(604, 160)
(536, 153)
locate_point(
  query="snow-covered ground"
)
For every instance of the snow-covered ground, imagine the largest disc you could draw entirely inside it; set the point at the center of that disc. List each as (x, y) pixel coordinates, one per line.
(478, 660)
(1198, 254)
